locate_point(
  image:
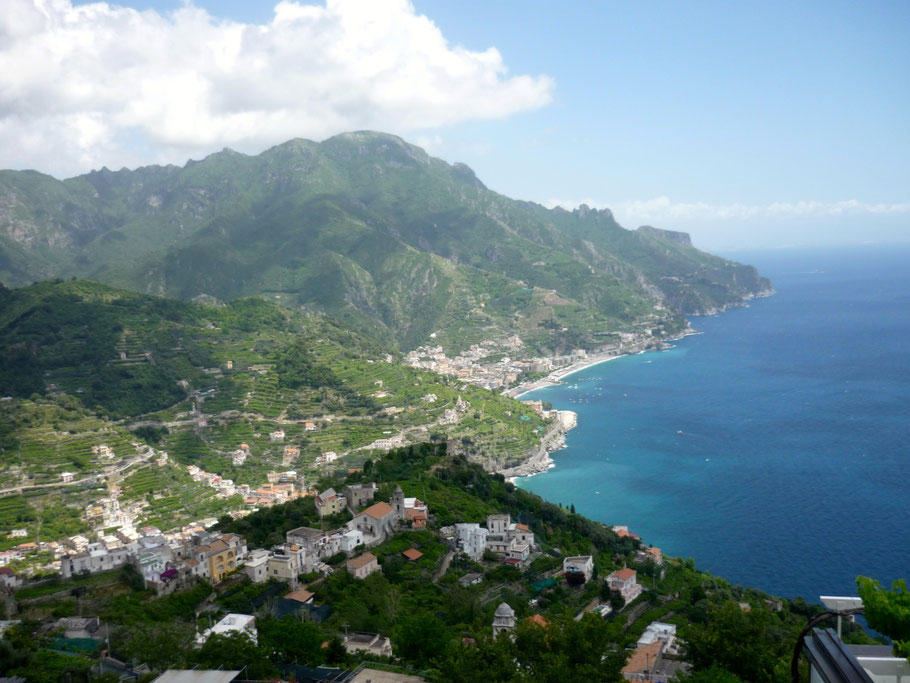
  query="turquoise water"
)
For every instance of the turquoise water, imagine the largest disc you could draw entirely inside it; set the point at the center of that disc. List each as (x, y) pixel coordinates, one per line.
(774, 447)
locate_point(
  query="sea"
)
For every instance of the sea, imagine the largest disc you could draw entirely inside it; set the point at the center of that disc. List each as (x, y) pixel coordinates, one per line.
(774, 446)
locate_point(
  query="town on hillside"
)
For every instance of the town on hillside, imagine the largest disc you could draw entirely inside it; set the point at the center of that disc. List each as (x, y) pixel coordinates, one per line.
(402, 573)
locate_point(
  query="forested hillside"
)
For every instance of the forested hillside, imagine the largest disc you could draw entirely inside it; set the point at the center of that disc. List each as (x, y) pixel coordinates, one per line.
(371, 230)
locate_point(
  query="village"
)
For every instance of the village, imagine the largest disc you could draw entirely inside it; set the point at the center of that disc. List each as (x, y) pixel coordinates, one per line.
(171, 562)
(489, 363)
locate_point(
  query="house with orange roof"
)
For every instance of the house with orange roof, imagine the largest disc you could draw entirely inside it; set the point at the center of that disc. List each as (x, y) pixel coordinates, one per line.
(412, 554)
(623, 532)
(649, 555)
(376, 522)
(626, 582)
(418, 518)
(363, 565)
(643, 662)
(301, 595)
(537, 620)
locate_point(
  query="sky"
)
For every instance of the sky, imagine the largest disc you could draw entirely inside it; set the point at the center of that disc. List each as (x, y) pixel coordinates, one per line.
(748, 125)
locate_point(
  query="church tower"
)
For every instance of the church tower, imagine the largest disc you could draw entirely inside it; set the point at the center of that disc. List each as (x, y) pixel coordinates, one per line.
(397, 502)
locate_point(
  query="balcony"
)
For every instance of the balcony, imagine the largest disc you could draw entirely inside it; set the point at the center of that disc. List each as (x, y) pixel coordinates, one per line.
(833, 661)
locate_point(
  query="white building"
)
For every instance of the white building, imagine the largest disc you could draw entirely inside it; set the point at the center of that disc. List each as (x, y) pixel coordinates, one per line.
(626, 582)
(659, 631)
(96, 558)
(257, 566)
(232, 623)
(579, 563)
(504, 619)
(471, 539)
(351, 539)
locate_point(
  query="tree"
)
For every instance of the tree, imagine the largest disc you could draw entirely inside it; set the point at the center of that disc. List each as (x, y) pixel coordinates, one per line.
(617, 601)
(11, 657)
(235, 651)
(463, 662)
(755, 645)
(46, 665)
(569, 650)
(888, 611)
(336, 653)
(712, 675)
(420, 637)
(575, 578)
(288, 640)
(159, 648)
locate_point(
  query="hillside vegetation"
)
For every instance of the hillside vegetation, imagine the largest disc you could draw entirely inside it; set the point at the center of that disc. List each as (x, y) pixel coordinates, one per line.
(371, 230)
(83, 365)
(439, 628)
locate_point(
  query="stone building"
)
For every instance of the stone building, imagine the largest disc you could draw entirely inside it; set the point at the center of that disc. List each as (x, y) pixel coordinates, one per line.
(504, 619)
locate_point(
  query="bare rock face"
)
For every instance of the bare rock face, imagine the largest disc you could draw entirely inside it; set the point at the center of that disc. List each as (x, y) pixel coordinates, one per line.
(672, 235)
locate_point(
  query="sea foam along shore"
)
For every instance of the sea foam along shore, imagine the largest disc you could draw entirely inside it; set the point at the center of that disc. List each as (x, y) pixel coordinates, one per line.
(553, 379)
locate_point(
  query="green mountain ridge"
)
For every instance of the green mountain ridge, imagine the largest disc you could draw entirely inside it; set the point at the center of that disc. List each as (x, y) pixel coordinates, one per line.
(374, 232)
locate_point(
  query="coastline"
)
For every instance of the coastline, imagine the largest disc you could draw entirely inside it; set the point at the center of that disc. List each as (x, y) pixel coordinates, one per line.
(555, 377)
(554, 440)
(540, 461)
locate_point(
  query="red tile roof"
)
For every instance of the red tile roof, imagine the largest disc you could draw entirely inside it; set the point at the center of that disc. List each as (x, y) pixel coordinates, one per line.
(378, 510)
(624, 574)
(537, 620)
(642, 658)
(412, 554)
(361, 561)
(300, 595)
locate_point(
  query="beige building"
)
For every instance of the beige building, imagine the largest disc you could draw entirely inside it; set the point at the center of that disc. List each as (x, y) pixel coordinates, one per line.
(330, 503)
(287, 563)
(362, 566)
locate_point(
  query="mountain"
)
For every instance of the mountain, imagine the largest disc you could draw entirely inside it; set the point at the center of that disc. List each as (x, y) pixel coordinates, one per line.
(374, 232)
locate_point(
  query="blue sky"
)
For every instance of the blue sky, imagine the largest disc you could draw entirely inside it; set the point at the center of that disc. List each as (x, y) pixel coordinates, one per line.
(749, 125)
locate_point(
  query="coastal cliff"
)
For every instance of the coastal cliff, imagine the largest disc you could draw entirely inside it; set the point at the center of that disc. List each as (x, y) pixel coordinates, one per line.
(554, 440)
(372, 231)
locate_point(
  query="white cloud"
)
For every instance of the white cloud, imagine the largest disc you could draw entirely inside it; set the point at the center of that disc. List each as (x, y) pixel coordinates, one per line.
(664, 211)
(99, 84)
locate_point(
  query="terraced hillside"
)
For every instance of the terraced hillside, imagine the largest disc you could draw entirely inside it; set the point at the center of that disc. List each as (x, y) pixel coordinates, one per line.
(100, 382)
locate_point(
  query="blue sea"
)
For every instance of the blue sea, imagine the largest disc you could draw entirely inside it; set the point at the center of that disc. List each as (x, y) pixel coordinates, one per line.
(774, 447)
